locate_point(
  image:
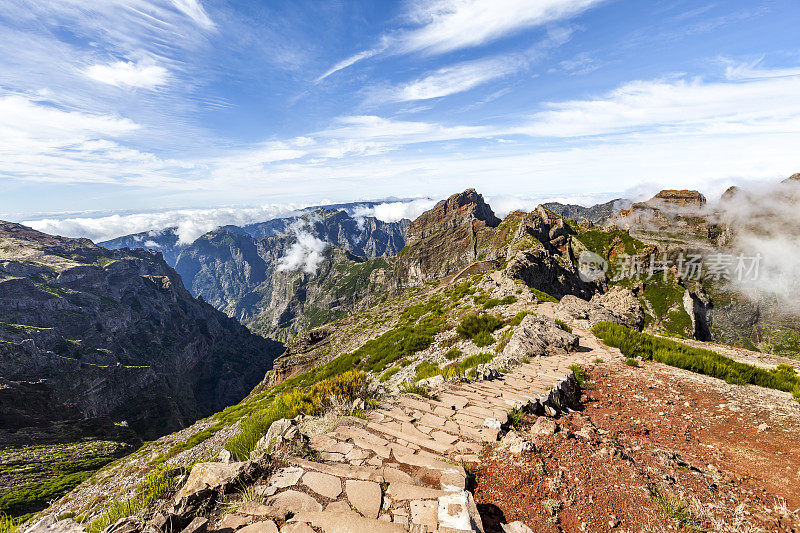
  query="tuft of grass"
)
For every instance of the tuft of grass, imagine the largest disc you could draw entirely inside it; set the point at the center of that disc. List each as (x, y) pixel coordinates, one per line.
(598, 360)
(673, 507)
(630, 361)
(386, 376)
(453, 354)
(543, 296)
(563, 325)
(516, 417)
(413, 388)
(8, 524)
(426, 369)
(648, 347)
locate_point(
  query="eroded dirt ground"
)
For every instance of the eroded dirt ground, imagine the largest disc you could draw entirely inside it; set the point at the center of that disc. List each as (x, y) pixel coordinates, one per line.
(654, 449)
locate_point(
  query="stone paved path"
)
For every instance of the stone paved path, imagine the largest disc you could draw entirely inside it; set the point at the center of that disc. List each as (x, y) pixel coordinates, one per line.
(400, 469)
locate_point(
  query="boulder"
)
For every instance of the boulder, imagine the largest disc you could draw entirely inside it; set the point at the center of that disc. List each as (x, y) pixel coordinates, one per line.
(585, 314)
(273, 438)
(622, 303)
(216, 476)
(457, 511)
(516, 527)
(49, 524)
(537, 336)
(544, 426)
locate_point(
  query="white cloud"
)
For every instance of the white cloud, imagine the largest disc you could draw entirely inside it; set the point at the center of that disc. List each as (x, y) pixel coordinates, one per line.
(448, 25)
(129, 74)
(750, 71)
(194, 10)
(349, 61)
(190, 223)
(454, 79)
(396, 211)
(682, 106)
(306, 253)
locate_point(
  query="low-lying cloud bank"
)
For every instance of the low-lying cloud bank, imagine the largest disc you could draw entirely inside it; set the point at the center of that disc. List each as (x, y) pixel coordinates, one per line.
(192, 223)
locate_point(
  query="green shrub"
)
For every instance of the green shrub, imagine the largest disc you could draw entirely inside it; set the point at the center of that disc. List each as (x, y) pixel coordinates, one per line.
(630, 361)
(453, 354)
(347, 386)
(543, 296)
(488, 303)
(579, 373)
(426, 369)
(517, 320)
(636, 344)
(484, 338)
(386, 376)
(479, 328)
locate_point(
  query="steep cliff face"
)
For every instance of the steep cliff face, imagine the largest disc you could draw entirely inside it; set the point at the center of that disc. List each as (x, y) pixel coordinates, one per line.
(165, 241)
(452, 235)
(243, 275)
(533, 247)
(115, 334)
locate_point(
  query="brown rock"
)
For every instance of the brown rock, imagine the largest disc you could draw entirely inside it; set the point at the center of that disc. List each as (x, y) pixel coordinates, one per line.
(232, 522)
(364, 496)
(261, 510)
(198, 525)
(323, 484)
(351, 522)
(265, 526)
(294, 502)
(425, 513)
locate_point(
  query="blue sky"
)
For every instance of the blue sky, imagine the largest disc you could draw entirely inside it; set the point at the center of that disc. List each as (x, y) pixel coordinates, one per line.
(129, 106)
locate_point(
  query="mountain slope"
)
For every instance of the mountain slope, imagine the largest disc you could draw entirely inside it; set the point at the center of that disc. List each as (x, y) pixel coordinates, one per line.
(115, 334)
(249, 277)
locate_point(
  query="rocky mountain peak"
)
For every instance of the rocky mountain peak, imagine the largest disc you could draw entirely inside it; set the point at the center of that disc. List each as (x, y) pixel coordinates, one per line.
(794, 178)
(679, 198)
(459, 209)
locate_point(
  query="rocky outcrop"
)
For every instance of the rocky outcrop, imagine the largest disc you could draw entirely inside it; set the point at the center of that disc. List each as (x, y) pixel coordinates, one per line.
(538, 336)
(452, 235)
(596, 214)
(586, 314)
(114, 334)
(622, 303)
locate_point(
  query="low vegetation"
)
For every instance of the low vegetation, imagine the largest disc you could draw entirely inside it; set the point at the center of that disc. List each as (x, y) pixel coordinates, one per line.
(579, 373)
(563, 325)
(309, 401)
(543, 296)
(674, 508)
(635, 344)
(479, 328)
(517, 320)
(151, 488)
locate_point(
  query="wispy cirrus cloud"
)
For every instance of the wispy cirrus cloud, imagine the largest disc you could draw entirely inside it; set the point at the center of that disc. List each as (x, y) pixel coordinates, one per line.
(442, 26)
(129, 73)
(451, 80)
